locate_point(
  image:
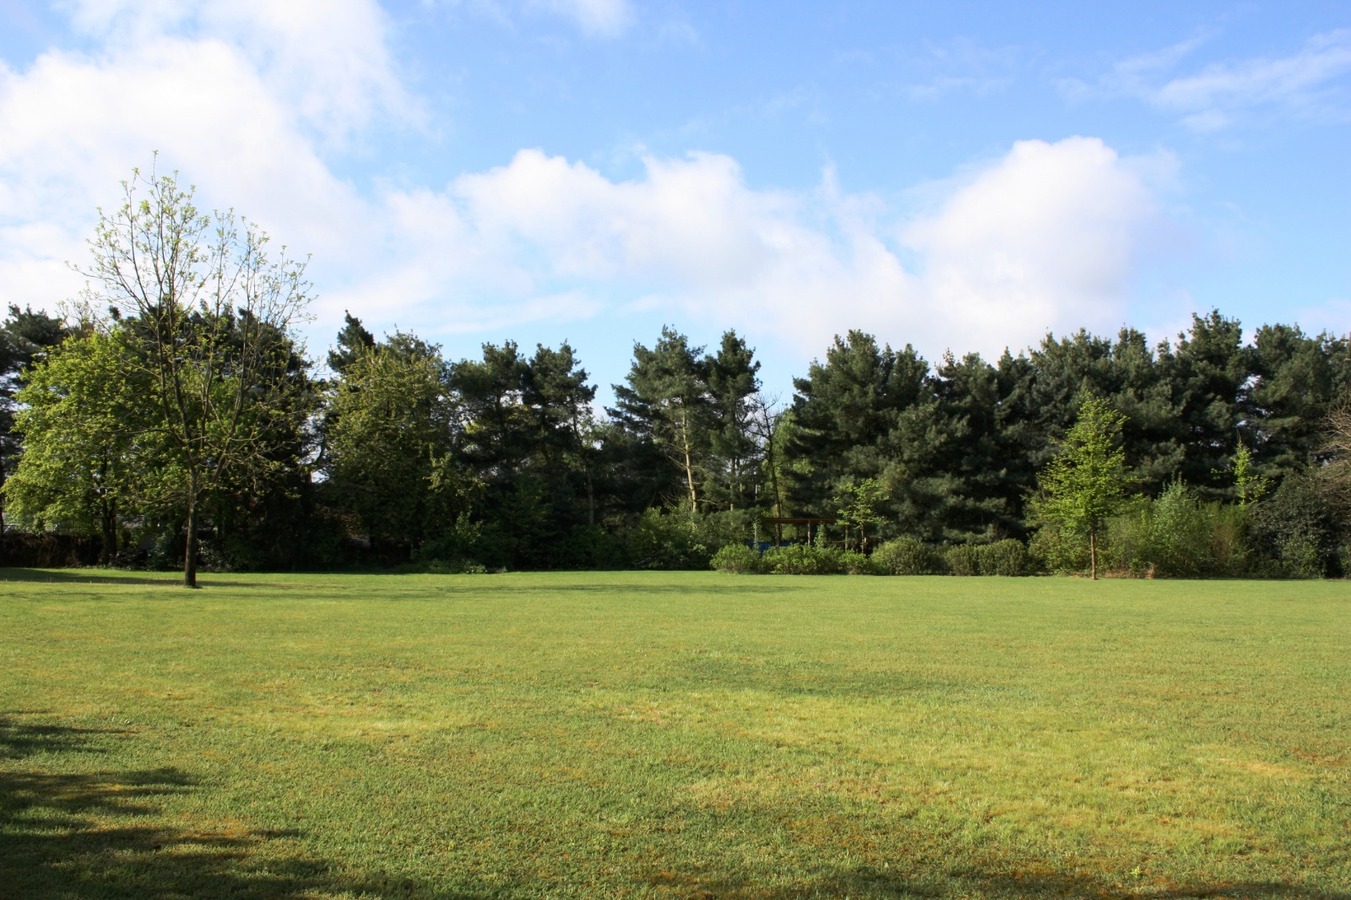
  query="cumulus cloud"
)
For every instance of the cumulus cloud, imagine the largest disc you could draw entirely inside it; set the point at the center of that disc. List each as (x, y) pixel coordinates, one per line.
(220, 105)
(1050, 235)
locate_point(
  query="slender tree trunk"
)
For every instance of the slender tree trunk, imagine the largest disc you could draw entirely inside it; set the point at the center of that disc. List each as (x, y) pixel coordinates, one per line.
(1093, 553)
(190, 550)
(687, 453)
(109, 523)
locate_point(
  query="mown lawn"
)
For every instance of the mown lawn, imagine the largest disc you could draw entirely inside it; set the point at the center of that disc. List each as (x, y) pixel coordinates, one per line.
(693, 734)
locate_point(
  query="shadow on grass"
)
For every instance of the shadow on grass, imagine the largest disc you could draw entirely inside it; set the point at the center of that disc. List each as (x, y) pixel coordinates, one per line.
(170, 581)
(21, 575)
(103, 834)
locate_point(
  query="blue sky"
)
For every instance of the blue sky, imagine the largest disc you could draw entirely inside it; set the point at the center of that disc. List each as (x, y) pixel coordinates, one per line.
(962, 176)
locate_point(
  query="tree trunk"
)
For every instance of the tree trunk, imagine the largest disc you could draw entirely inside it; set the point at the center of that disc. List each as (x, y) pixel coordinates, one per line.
(1093, 553)
(687, 453)
(108, 521)
(190, 550)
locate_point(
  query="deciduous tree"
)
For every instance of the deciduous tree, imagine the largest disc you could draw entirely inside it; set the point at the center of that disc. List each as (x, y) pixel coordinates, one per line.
(1084, 484)
(208, 310)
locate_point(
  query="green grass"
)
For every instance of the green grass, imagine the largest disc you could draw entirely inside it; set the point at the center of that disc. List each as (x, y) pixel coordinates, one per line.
(647, 734)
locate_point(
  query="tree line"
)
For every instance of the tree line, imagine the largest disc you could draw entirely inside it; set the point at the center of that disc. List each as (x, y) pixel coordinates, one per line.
(173, 418)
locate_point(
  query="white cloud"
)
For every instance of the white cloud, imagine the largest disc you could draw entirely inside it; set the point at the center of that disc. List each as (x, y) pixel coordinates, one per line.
(596, 18)
(218, 101)
(1308, 82)
(1050, 237)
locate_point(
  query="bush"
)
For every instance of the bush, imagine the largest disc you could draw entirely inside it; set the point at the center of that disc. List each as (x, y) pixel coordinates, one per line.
(803, 559)
(738, 559)
(1007, 557)
(667, 541)
(855, 563)
(1053, 549)
(1178, 536)
(1294, 532)
(451, 550)
(906, 556)
(962, 559)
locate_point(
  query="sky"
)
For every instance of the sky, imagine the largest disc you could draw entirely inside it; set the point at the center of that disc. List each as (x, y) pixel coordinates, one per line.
(956, 176)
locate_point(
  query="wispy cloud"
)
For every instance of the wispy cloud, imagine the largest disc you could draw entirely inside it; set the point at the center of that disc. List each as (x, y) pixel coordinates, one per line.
(1314, 81)
(961, 65)
(596, 18)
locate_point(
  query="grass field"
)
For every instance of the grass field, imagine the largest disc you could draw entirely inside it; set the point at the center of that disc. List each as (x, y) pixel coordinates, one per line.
(682, 735)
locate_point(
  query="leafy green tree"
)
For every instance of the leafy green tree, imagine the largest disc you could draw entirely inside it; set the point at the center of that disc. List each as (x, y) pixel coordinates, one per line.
(985, 469)
(1207, 371)
(1294, 529)
(1286, 401)
(526, 431)
(208, 310)
(24, 336)
(352, 341)
(389, 453)
(844, 411)
(665, 404)
(87, 441)
(1085, 482)
(860, 506)
(733, 467)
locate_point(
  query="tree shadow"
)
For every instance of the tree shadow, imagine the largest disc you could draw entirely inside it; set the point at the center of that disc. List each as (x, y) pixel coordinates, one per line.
(170, 581)
(21, 575)
(103, 834)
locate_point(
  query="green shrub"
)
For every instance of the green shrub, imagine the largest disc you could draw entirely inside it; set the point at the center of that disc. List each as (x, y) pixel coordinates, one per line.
(738, 559)
(1053, 549)
(906, 555)
(1007, 557)
(962, 559)
(803, 559)
(667, 541)
(1179, 536)
(855, 563)
(1294, 532)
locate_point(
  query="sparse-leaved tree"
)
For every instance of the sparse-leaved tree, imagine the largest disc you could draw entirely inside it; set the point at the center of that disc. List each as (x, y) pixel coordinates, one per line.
(208, 311)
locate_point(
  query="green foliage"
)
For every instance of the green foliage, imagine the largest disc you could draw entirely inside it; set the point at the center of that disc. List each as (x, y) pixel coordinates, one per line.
(25, 336)
(805, 559)
(738, 559)
(388, 454)
(668, 540)
(1294, 533)
(1007, 557)
(454, 547)
(962, 559)
(906, 555)
(1179, 535)
(206, 310)
(1249, 486)
(352, 341)
(87, 442)
(859, 505)
(1059, 551)
(1085, 483)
